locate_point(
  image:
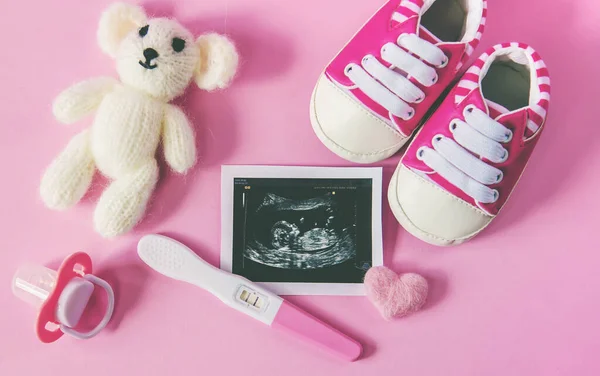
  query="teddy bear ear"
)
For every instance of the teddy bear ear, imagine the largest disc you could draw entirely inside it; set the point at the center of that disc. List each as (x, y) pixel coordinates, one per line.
(218, 61)
(116, 22)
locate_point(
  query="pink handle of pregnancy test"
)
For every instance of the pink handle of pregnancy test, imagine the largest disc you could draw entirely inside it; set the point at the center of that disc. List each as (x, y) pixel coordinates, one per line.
(295, 321)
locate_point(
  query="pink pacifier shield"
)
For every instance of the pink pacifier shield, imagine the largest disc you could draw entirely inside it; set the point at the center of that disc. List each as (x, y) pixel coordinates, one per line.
(76, 265)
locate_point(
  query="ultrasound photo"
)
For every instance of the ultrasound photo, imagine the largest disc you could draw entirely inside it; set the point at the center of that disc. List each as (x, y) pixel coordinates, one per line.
(302, 230)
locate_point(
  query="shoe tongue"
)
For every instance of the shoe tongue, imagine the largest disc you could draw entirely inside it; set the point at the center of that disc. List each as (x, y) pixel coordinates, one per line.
(496, 109)
(428, 35)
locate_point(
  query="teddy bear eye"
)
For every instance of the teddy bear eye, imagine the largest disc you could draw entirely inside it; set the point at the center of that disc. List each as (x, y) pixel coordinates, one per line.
(143, 31)
(178, 44)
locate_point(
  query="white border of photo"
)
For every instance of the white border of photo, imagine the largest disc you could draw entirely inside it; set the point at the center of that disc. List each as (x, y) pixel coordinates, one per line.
(230, 172)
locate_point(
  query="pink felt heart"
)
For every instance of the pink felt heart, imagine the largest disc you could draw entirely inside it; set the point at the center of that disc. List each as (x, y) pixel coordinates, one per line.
(394, 295)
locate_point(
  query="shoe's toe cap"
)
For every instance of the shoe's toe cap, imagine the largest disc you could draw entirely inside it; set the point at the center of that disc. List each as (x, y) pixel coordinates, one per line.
(349, 129)
(432, 214)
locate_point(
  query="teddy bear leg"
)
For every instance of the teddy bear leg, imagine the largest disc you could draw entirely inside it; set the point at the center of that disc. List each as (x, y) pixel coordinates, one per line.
(123, 203)
(69, 176)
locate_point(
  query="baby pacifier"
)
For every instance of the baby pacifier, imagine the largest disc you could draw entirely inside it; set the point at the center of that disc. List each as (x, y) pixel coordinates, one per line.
(61, 296)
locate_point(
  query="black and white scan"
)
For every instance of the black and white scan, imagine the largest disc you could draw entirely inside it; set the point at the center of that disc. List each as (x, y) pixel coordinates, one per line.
(302, 230)
(308, 233)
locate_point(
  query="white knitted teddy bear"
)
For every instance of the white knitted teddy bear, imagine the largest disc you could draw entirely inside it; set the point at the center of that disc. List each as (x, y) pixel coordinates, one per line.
(156, 60)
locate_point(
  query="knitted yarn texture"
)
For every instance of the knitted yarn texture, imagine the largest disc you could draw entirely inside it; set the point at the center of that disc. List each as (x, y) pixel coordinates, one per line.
(156, 60)
(395, 295)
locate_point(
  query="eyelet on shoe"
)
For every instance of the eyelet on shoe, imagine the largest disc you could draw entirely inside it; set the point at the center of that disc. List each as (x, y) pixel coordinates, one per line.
(504, 157)
(366, 59)
(469, 110)
(496, 195)
(349, 68)
(453, 125)
(499, 177)
(444, 62)
(435, 79)
(509, 137)
(437, 138)
(421, 152)
(411, 114)
(419, 100)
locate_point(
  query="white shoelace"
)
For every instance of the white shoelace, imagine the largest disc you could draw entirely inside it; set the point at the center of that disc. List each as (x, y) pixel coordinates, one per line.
(391, 89)
(452, 159)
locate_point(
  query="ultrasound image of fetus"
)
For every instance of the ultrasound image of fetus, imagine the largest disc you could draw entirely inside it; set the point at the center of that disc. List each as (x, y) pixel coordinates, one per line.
(300, 234)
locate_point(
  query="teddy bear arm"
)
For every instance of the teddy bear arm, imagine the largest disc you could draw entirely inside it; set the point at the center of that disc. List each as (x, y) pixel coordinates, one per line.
(178, 139)
(81, 99)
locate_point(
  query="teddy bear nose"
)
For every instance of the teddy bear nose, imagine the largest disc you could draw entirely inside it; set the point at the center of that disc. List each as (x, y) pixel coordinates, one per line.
(150, 53)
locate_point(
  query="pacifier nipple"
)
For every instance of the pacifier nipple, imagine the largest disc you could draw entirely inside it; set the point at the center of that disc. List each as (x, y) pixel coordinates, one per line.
(33, 284)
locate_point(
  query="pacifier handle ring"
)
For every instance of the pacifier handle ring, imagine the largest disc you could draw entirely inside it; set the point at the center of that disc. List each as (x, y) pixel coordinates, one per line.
(109, 310)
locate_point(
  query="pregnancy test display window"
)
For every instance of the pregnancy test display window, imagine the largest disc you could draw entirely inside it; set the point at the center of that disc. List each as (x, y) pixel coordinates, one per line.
(302, 230)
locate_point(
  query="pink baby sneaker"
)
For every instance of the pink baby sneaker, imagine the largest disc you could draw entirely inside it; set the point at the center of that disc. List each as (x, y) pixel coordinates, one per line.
(462, 166)
(381, 85)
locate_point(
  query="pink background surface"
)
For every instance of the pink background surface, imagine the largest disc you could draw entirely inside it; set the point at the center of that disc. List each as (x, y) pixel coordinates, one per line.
(521, 299)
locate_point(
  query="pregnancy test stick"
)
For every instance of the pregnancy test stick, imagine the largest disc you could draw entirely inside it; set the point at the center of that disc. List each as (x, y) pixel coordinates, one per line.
(175, 260)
